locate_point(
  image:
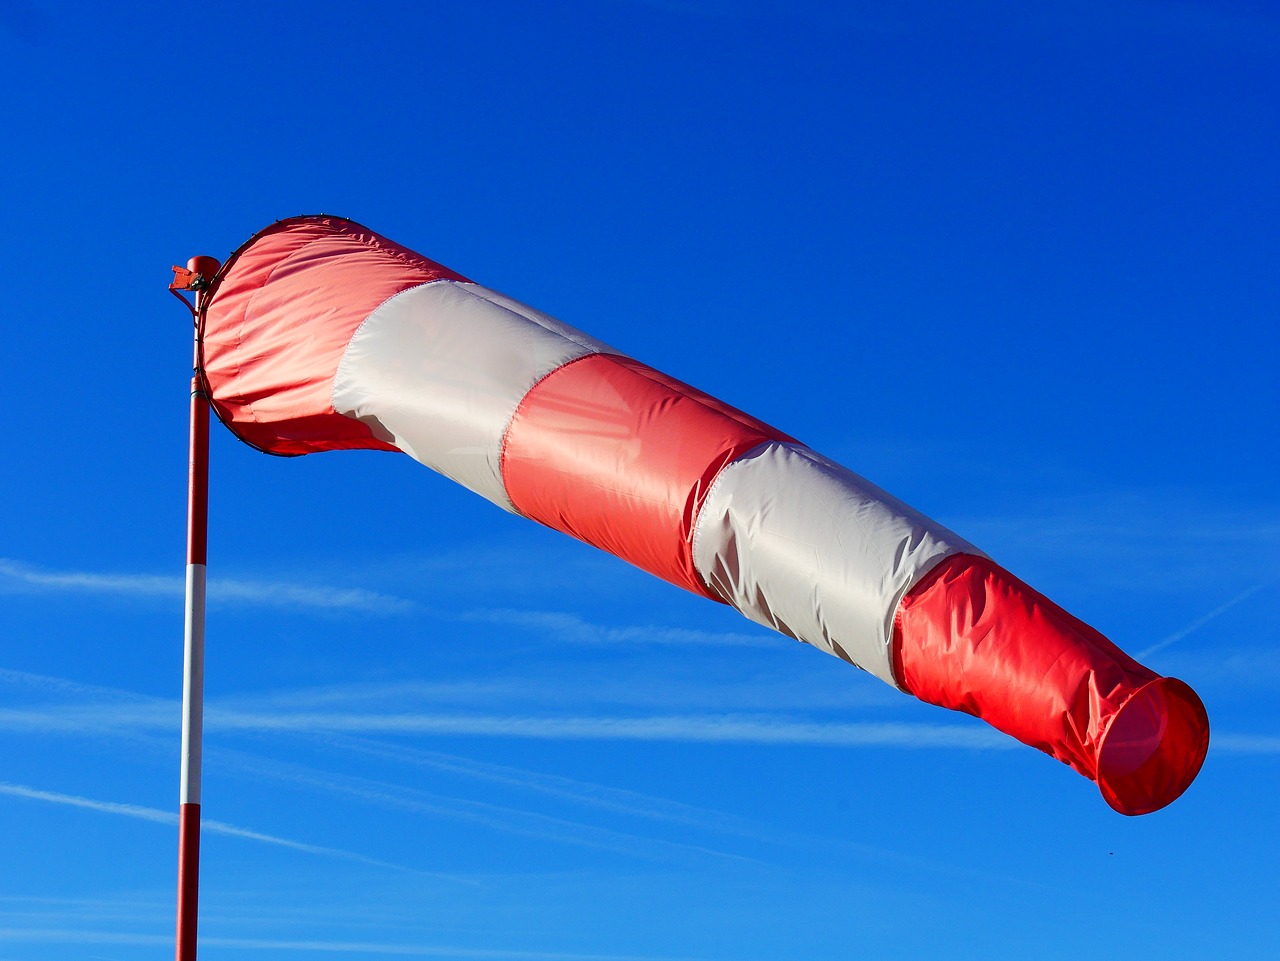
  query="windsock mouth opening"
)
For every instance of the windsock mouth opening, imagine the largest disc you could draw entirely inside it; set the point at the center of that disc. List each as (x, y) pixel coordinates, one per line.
(1154, 747)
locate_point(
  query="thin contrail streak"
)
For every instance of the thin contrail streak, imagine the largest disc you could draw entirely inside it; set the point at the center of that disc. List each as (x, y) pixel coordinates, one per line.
(155, 815)
(496, 817)
(568, 789)
(1201, 622)
(220, 589)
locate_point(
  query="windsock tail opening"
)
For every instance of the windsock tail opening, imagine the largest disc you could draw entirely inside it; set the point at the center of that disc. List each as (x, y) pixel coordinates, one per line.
(1154, 747)
(972, 637)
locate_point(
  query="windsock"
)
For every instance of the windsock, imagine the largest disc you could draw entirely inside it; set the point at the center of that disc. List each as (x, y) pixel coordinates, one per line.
(318, 334)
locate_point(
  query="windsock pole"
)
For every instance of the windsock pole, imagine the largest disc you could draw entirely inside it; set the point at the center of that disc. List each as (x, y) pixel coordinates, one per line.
(195, 277)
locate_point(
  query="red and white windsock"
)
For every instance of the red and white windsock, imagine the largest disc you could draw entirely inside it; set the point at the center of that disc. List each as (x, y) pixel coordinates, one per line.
(319, 334)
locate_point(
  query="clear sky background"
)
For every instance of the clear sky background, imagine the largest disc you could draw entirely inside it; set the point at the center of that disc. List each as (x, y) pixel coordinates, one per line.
(1015, 262)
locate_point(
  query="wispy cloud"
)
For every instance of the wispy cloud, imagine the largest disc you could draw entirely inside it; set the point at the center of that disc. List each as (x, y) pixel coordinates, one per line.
(1148, 540)
(158, 816)
(574, 629)
(48, 684)
(486, 814)
(63, 935)
(618, 801)
(1242, 671)
(562, 789)
(358, 694)
(104, 718)
(34, 909)
(17, 575)
(137, 585)
(113, 712)
(804, 681)
(1246, 743)
(433, 951)
(41, 704)
(614, 800)
(71, 936)
(103, 807)
(294, 712)
(116, 713)
(686, 728)
(301, 596)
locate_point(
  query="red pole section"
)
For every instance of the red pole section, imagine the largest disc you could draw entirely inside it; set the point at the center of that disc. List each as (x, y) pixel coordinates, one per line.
(203, 269)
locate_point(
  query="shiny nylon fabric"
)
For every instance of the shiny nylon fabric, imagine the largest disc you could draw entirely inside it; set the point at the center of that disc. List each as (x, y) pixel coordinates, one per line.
(439, 370)
(280, 314)
(621, 456)
(972, 637)
(322, 335)
(802, 545)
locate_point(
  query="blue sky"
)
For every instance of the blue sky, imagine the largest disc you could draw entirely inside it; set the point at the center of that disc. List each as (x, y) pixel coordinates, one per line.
(1015, 263)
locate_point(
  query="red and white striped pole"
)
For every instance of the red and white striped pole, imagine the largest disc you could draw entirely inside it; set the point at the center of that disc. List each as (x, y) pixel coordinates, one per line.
(196, 277)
